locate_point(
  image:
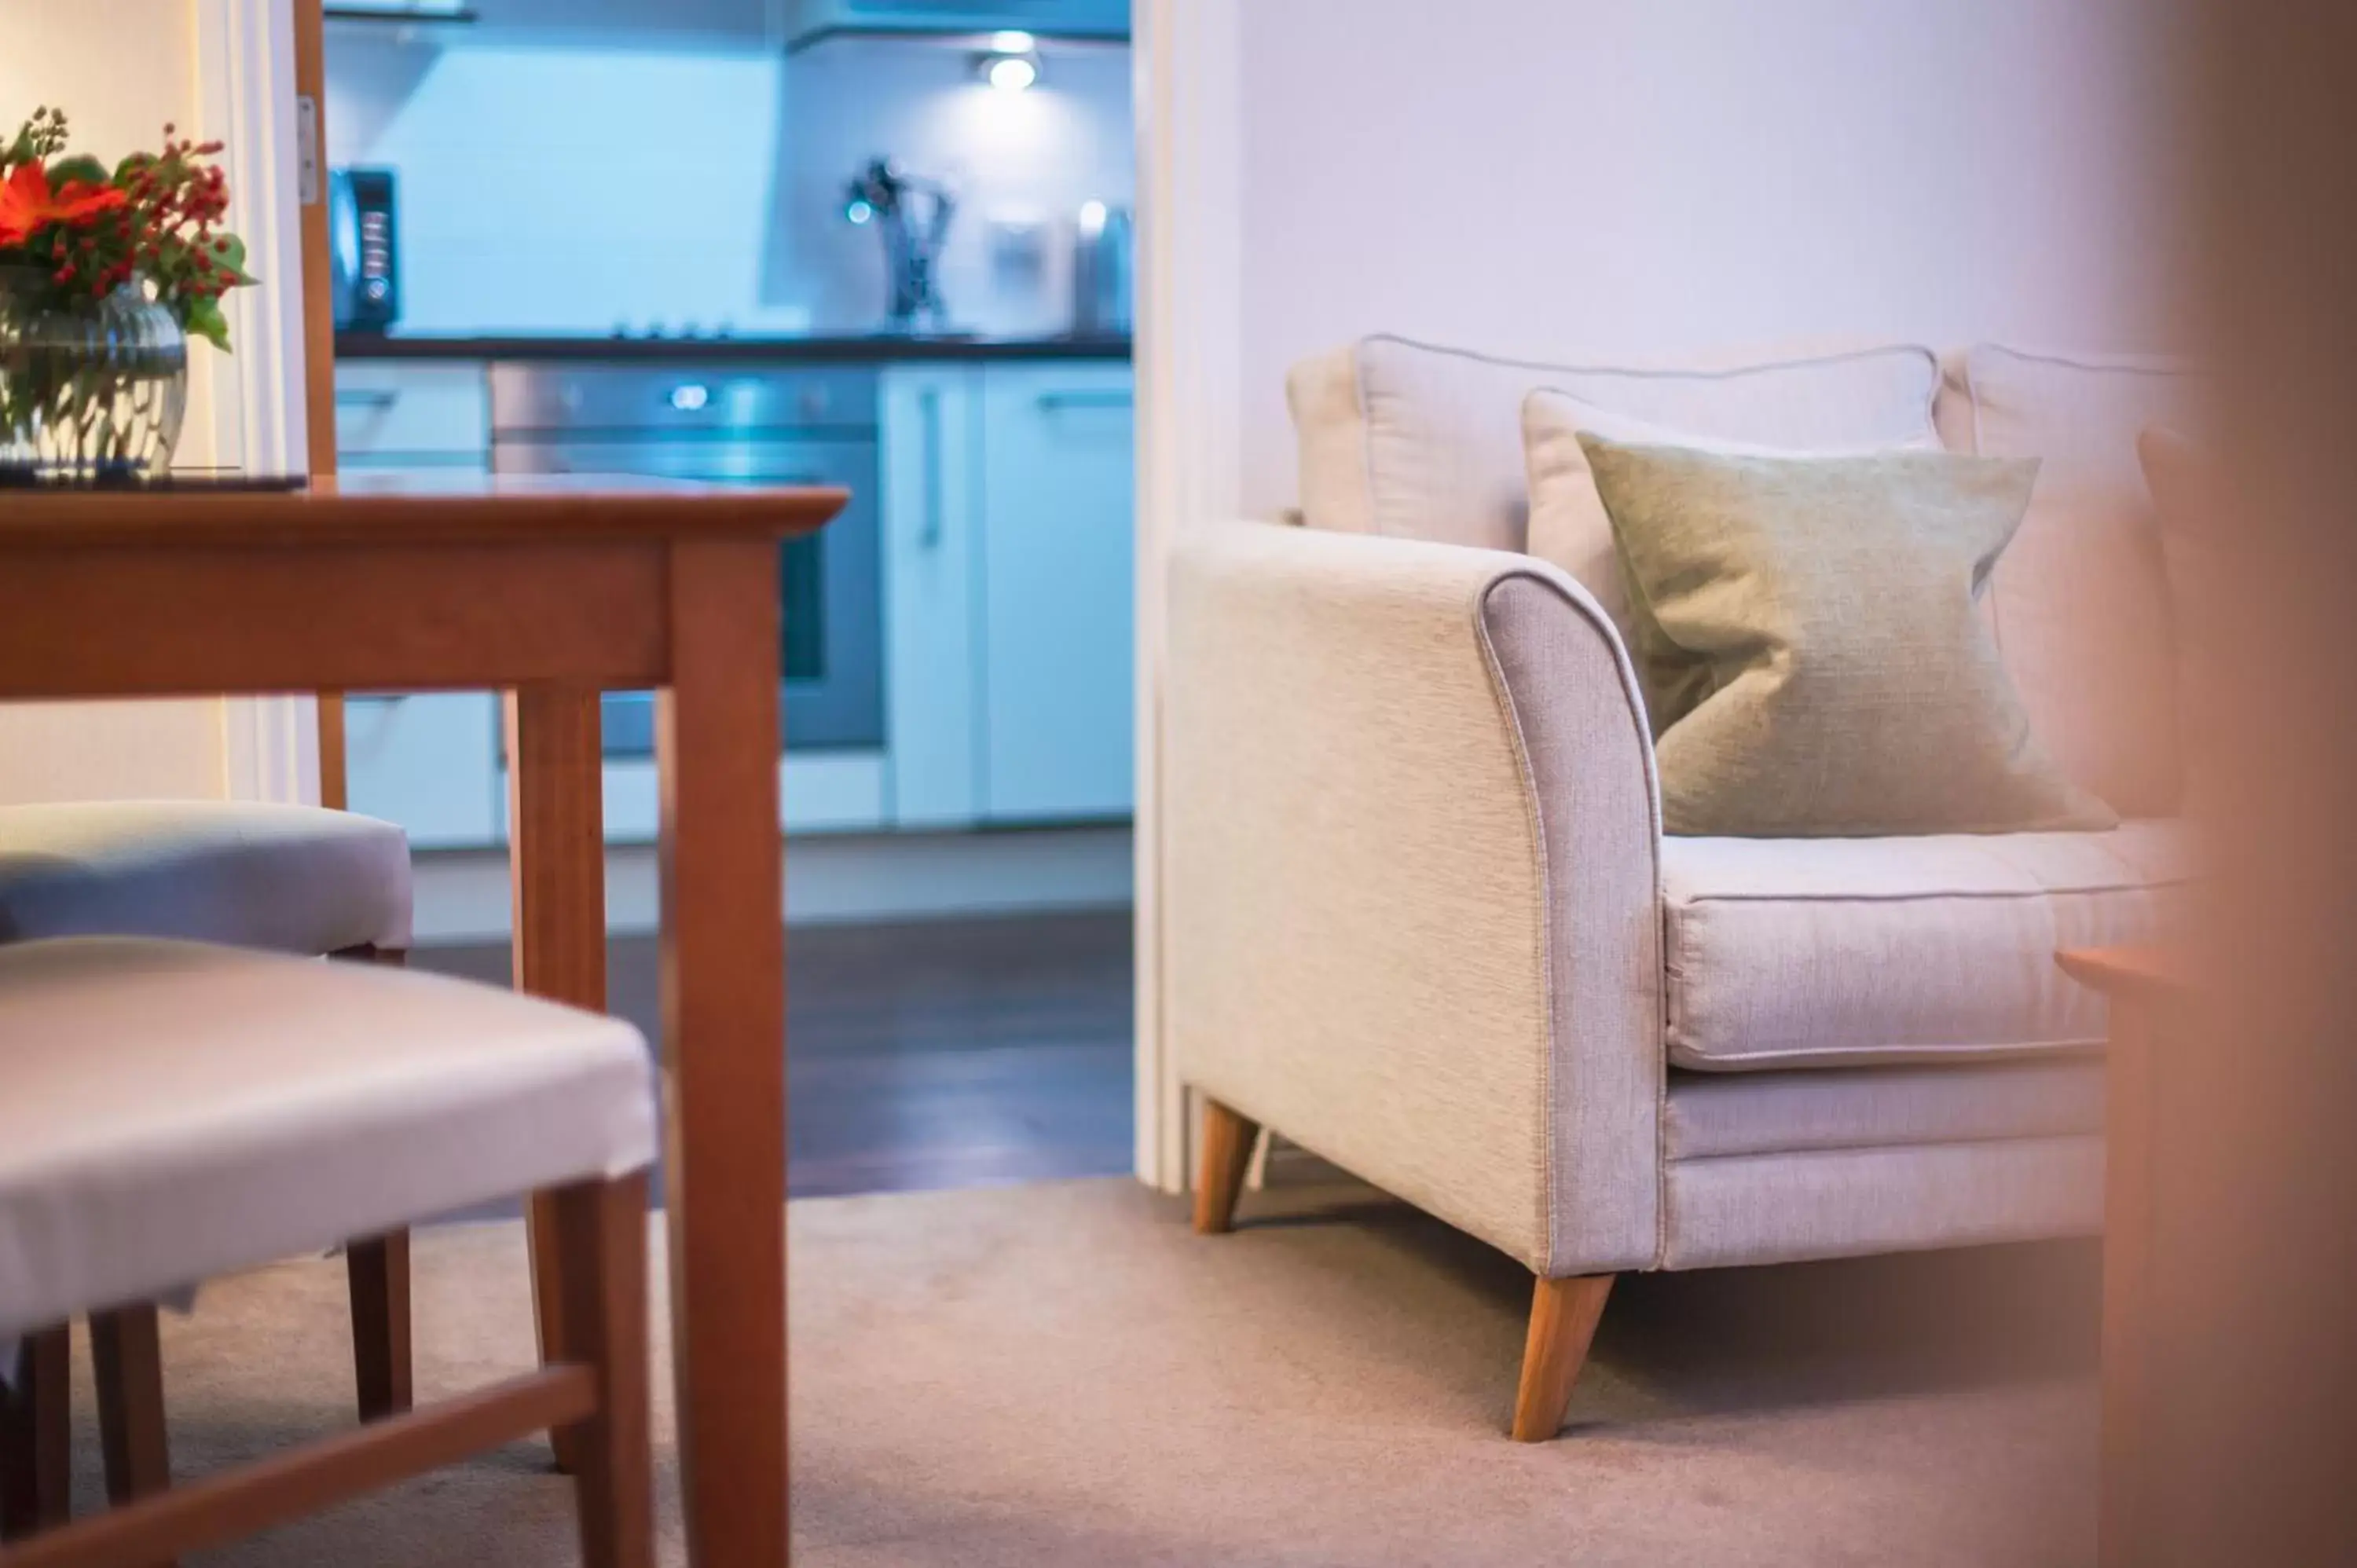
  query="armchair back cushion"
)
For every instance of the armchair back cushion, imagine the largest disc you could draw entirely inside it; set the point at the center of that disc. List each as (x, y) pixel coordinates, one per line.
(2081, 598)
(1568, 523)
(1417, 442)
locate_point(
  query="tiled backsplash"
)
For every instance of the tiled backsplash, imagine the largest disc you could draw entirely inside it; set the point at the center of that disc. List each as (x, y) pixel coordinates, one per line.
(571, 189)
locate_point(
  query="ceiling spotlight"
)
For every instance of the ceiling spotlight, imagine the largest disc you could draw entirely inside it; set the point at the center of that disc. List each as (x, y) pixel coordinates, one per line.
(1011, 63)
(1011, 73)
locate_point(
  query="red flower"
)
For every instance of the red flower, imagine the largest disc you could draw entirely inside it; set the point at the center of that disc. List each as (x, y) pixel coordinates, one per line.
(26, 203)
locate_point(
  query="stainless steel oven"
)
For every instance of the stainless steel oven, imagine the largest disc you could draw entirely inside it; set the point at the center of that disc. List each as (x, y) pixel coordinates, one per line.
(724, 426)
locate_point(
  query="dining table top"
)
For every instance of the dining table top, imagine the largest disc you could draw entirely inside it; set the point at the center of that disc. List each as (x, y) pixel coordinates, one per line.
(379, 582)
(421, 506)
(2145, 973)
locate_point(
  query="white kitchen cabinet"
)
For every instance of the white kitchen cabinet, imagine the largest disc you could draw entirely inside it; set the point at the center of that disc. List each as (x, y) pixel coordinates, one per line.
(932, 468)
(399, 414)
(818, 792)
(1056, 591)
(493, 23)
(807, 21)
(435, 763)
(429, 761)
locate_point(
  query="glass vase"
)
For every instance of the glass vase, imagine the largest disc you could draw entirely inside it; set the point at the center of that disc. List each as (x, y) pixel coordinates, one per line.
(89, 392)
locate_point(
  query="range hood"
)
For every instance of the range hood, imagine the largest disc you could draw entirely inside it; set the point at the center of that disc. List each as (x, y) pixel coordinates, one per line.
(812, 21)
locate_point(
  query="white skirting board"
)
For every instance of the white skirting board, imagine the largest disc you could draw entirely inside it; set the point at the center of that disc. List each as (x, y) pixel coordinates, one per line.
(462, 894)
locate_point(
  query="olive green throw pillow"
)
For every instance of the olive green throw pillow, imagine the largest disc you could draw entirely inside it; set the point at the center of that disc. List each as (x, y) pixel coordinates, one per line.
(1808, 634)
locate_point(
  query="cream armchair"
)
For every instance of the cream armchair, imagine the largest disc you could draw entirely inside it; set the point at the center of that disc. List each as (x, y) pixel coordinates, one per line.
(1422, 920)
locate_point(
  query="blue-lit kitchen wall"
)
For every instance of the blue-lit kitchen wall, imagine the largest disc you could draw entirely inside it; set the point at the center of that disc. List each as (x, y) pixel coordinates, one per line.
(564, 188)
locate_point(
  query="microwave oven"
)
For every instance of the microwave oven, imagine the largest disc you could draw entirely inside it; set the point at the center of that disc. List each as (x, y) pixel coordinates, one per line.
(366, 270)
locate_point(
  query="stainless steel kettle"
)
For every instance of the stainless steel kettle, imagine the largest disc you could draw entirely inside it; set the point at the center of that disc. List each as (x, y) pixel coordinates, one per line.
(1100, 271)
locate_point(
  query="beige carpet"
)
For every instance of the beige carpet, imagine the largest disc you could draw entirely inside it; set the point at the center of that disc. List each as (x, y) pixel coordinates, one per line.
(1062, 1375)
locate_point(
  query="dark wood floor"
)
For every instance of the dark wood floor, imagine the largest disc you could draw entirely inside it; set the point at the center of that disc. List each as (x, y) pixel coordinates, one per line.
(958, 1053)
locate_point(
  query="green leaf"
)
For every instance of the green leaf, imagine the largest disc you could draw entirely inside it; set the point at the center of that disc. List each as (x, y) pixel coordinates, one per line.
(232, 257)
(205, 320)
(80, 167)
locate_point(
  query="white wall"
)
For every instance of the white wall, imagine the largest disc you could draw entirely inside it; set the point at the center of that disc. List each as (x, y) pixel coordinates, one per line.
(68, 54)
(122, 69)
(1550, 177)
(565, 187)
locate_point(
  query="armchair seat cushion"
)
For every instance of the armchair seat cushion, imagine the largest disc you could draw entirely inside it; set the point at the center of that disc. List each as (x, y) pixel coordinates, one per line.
(1838, 952)
(291, 878)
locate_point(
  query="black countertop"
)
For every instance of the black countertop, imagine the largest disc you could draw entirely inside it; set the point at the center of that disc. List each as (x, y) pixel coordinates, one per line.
(799, 348)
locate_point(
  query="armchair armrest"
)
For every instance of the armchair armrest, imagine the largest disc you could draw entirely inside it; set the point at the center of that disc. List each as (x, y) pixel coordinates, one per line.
(1412, 837)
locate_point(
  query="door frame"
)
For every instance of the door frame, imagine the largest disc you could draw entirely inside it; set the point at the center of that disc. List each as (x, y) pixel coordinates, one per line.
(1187, 91)
(246, 78)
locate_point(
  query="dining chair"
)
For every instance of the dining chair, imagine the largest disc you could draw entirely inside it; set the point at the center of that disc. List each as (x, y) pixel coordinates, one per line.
(224, 1108)
(292, 879)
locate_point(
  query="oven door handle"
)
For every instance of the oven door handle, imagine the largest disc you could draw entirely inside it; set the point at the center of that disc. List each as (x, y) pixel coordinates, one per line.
(929, 405)
(930, 411)
(1062, 402)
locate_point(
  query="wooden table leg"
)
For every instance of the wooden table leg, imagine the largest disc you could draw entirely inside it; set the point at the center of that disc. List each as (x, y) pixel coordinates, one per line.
(2127, 1256)
(724, 1014)
(556, 830)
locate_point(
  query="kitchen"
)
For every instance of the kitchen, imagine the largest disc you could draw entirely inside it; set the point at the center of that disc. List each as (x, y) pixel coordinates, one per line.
(879, 244)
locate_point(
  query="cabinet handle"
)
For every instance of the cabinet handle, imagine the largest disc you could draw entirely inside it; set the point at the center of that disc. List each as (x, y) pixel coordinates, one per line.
(1054, 402)
(362, 398)
(929, 402)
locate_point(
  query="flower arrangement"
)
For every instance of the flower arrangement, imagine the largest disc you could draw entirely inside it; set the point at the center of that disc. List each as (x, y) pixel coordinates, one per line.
(105, 276)
(152, 222)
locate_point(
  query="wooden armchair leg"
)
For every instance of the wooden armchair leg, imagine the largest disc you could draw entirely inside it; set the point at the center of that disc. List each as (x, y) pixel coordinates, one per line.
(602, 1248)
(126, 1354)
(1563, 1324)
(377, 1272)
(1228, 1140)
(36, 1437)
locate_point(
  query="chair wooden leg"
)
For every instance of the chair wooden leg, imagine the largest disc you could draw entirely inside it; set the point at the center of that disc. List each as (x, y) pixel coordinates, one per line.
(1228, 1141)
(127, 1356)
(544, 1237)
(36, 1437)
(602, 1230)
(377, 1272)
(1563, 1324)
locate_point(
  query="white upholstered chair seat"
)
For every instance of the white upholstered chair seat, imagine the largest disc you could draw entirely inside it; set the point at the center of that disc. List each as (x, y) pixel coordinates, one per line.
(1843, 952)
(171, 1110)
(291, 878)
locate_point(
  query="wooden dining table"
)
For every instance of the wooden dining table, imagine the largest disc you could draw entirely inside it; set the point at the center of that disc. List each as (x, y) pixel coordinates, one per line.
(553, 591)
